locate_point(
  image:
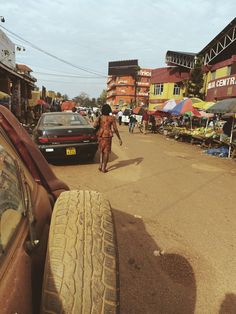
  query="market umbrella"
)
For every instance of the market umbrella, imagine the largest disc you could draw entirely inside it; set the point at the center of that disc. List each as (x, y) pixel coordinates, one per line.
(159, 106)
(4, 95)
(183, 106)
(169, 105)
(203, 105)
(225, 106)
(41, 102)
(67, 105)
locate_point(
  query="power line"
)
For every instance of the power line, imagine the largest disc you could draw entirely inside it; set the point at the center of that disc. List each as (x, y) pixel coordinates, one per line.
(51, 55)
(69, 75)
(66, 82)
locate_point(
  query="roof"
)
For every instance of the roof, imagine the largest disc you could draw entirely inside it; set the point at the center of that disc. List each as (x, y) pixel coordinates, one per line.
(169, 75)
(23, 68)
(222, 33)
(183, 53)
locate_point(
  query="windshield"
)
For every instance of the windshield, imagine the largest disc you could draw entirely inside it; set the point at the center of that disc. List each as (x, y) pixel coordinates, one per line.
(63, 120)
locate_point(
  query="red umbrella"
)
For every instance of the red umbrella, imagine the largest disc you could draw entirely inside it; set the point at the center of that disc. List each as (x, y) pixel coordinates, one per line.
(67, 105)
(41, 102)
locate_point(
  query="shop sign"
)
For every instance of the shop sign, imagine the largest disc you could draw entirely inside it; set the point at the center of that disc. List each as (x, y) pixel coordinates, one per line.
(226, 81)
(144, 73)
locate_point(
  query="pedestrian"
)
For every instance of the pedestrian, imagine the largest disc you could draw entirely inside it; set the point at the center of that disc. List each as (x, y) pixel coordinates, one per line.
(153, 123)
(106, 125)
(120, 114)
(132, 122)
(145, 119)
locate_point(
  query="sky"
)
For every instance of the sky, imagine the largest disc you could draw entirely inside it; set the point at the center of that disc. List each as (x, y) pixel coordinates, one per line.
(77, 38)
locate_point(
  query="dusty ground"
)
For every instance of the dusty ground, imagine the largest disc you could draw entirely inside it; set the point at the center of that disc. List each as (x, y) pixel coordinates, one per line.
(171, 198)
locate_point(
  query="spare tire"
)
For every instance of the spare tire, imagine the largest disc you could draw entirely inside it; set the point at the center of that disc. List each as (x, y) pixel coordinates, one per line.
(81, 268)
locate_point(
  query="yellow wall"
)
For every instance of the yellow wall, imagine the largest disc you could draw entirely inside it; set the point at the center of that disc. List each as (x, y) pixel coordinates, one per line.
(221, 72)
(51, 94)
(218, 74)
(168, 89)
(35, 97)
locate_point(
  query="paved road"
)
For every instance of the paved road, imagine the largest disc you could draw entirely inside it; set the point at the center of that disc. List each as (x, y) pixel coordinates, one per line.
(175, 215)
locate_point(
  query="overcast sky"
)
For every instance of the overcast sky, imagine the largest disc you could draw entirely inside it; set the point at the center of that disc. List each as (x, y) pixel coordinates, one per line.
(90, 33)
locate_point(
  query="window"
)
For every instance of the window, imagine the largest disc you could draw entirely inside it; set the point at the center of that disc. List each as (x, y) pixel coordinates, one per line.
(213, 75)
(176, 90)
(11, 197)
(158, 89)
(229, 70)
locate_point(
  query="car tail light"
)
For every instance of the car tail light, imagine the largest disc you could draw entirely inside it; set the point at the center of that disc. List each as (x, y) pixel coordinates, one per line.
(42, 139)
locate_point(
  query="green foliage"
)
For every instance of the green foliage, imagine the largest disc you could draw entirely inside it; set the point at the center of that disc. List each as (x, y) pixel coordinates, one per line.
(195, 83)
(102, 98)
(65, 97)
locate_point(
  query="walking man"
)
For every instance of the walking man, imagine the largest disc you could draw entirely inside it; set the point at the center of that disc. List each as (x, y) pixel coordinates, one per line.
(145, 121)
(120, 114)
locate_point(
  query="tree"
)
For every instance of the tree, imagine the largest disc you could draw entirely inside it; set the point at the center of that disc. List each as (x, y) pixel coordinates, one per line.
(195, 83)
(101, 100)
(65, 97)
(82, 100)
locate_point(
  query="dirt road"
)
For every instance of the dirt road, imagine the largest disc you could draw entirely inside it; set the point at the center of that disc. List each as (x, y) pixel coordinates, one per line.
(175, 215)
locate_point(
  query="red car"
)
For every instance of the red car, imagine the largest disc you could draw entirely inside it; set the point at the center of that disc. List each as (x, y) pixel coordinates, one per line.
(57, 247)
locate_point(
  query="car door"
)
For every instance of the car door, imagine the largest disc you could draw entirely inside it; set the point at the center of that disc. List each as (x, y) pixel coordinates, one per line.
(25, 212)
(15, 264)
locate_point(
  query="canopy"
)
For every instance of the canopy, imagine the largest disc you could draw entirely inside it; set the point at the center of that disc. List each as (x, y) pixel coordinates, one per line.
(67, 105)
(203, 105)
(224, 106)
(41, 102)
(159, 106)
(182, 107)
(169, 105)
(4, 95)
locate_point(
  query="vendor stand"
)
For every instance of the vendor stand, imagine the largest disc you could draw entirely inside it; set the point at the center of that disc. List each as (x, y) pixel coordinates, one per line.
(226, 106)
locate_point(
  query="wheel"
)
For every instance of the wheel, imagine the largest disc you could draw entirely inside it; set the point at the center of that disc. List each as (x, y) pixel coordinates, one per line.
(140, 128)
(81, 269)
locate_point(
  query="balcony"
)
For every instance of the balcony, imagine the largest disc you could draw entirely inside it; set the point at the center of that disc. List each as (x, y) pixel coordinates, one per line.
(142, 94)
(143, 83)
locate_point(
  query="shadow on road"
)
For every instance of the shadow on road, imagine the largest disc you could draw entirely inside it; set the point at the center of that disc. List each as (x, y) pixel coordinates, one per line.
(228, 306)
(149, 283)
(125, 163)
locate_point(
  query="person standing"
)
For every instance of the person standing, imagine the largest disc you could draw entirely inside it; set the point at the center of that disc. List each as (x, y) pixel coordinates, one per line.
(132, 122)
(145, 119)
(107, 125)
(120, 114)
(153, 123)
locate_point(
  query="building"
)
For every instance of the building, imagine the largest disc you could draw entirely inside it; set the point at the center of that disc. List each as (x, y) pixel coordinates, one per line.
(167, 83)
(218, 61)
(128, 85)
(15, 80)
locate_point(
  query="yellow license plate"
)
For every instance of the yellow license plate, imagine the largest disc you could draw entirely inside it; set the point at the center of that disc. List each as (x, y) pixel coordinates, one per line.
(71, 151)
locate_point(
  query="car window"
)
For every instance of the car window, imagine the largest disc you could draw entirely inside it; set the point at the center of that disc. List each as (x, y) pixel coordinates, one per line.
(63, 120)
(77, 119)
(12, 203)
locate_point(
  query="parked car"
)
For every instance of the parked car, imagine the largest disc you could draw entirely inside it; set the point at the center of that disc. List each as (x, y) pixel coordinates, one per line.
(65, 135)
(57, 247)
